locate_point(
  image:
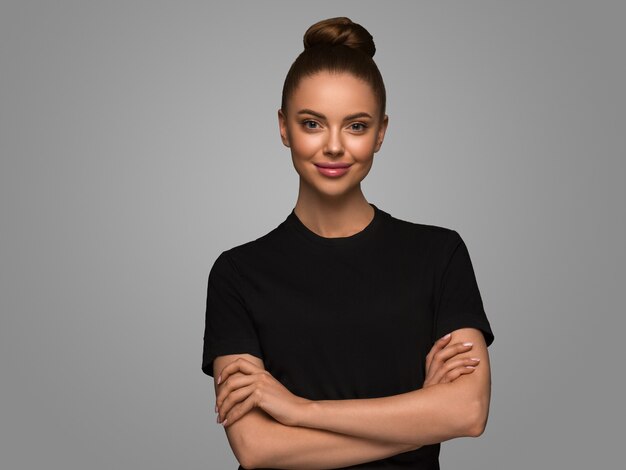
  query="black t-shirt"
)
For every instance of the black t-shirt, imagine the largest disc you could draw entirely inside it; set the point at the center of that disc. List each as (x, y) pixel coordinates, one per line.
(347, 317)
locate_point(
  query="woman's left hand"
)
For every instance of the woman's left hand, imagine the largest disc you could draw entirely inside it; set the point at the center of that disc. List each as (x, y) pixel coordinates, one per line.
(244, 385)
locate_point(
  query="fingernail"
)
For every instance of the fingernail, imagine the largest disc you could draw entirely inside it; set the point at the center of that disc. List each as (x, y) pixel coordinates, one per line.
(446, 336)
(224, 423)
(219, 379)
(217, 420)
(477, 359)
(468, 344)
(470, 367)
(216, 407)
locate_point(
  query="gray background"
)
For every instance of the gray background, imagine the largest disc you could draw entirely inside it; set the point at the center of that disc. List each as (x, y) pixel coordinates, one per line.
(140, 139)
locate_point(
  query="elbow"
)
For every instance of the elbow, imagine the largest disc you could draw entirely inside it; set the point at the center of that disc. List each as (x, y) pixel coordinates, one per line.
(245, 462)
(243, 448)
(245, 465)
(246, 455)
(477, 418)
(250, 441)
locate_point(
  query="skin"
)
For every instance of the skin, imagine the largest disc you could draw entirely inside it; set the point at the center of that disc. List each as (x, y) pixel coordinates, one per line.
(267, 425)
(332, 207)
(235, 397)
(258, 440)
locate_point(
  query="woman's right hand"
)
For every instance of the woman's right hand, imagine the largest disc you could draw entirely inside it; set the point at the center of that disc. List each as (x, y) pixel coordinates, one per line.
(442, 365)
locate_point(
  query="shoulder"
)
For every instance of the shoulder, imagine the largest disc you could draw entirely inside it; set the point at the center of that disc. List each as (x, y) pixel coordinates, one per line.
(434, 237)
(434, 245)
(255, 252)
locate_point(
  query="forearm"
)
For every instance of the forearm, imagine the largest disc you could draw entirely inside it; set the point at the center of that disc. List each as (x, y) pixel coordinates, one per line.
(423, 416)
(266, 443)
(428, 415)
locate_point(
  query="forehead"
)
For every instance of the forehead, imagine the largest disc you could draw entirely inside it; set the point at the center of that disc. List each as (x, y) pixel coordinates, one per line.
(334, 94)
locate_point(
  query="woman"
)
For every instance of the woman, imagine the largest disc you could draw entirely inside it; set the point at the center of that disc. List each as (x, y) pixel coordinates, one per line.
(345, 336)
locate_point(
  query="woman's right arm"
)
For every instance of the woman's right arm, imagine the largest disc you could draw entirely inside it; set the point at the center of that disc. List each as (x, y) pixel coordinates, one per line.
(263, 442)
(259, 441)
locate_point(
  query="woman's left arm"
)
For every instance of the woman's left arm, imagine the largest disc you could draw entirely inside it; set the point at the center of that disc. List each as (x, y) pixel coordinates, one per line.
(425, 416)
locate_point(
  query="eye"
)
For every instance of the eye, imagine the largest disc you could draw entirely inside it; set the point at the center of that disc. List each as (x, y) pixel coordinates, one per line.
(307, 122)
(362, 128)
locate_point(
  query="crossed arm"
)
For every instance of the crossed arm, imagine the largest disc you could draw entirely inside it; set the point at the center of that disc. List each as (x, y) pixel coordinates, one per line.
(259, 441)
(338, 433)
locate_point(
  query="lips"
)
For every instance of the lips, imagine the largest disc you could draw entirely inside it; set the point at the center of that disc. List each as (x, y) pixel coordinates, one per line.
(333, 165)
(333, 170)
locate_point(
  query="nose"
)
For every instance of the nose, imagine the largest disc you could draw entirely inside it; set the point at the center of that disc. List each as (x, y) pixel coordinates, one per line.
(334, 144)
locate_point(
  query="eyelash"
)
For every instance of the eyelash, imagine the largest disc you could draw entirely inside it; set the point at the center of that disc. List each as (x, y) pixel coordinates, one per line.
(363, 126)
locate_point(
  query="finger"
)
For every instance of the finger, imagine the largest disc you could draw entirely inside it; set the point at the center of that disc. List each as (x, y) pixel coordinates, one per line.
(452, 350)
(234, 382)
(453, 364)
(441, 367)
(232, 400)
(456, 373)
(239, 410)
(439, 344)
(238, 365)
(445, 354)
(458, 362)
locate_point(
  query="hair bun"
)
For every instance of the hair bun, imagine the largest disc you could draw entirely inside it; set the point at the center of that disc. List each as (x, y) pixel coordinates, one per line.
(339, 31)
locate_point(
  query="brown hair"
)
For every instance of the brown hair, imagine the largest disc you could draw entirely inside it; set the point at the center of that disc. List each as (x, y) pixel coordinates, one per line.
(336, 45)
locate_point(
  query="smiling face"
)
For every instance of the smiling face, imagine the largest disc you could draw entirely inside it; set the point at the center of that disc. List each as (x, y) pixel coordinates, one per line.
(332, 119)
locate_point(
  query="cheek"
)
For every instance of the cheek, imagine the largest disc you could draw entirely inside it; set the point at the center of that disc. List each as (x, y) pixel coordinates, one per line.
(361, 148)
(306, 145)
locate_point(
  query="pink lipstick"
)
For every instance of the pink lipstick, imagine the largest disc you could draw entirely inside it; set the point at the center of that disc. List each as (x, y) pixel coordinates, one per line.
(333, 169)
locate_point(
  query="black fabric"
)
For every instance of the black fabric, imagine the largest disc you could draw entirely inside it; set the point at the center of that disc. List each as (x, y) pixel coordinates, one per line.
(347, 317)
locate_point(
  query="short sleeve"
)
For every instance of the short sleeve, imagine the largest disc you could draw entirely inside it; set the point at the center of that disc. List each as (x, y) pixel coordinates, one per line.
(229, 328)
(459, 301)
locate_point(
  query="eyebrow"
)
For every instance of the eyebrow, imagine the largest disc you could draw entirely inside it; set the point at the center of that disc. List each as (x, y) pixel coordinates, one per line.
(321, 116)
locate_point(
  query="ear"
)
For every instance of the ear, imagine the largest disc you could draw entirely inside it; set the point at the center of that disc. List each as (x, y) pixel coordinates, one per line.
(282, 126)
(381, 133)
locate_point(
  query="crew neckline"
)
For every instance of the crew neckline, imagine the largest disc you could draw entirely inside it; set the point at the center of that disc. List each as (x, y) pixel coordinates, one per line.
(293, 221)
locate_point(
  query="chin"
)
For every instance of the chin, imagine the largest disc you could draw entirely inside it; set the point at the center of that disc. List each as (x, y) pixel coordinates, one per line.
(332, 189)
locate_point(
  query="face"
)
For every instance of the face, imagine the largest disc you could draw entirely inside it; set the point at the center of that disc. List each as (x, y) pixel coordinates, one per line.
(332, 119)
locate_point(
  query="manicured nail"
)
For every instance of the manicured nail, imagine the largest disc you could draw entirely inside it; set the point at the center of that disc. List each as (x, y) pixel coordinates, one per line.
(219, 379)
(446, 336)
(224, 423)
(477, 359)
(470, 367)
(468, 344)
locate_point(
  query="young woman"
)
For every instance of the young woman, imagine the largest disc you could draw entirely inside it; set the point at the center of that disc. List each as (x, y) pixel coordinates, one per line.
(344, 336)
